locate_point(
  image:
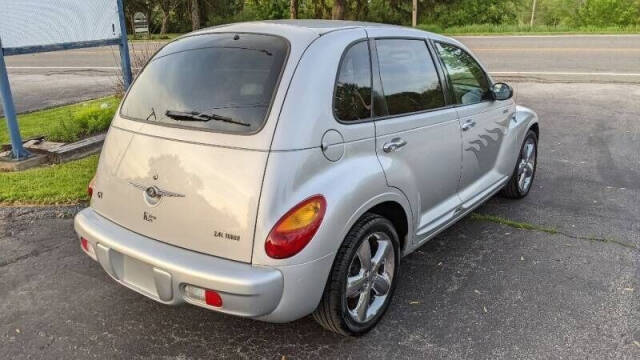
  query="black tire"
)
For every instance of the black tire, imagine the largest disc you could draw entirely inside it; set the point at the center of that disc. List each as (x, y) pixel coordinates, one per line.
(332, 312)
(512, 190)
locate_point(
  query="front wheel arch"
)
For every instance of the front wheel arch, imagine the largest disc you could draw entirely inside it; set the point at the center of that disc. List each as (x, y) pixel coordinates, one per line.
(511, 189)
(536, 129)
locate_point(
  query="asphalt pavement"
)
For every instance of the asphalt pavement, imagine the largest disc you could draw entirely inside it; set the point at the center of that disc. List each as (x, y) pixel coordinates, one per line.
(48, 79)
(479, 290)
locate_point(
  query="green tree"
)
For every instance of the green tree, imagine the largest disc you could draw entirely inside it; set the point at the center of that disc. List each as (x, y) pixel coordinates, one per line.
(186, 15)
(557, 12)
(608, 12)
(166, 7)
(464, 12)
(338, 10)
(267, 10)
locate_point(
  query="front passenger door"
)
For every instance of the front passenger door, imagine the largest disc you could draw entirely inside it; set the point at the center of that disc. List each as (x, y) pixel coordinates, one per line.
(483, 121)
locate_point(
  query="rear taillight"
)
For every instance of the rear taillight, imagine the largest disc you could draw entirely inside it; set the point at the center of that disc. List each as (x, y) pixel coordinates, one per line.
(90, 187)
(296, 228)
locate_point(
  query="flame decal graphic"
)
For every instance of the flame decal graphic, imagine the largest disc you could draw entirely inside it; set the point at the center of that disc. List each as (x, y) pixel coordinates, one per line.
(486, 147)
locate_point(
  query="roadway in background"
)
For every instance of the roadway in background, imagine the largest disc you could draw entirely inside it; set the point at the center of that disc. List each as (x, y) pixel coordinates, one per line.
(49, 79)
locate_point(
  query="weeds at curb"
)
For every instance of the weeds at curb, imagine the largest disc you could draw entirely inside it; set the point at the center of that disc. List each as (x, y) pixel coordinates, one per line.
(548, 230)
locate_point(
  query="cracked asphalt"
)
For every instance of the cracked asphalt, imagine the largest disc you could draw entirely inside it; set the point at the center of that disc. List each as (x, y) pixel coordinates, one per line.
(479, 290)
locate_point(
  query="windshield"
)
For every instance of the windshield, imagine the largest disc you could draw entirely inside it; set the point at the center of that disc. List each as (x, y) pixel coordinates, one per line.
(219, 76)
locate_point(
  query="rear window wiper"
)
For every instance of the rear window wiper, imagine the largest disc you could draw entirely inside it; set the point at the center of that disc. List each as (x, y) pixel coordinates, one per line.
(198, 116)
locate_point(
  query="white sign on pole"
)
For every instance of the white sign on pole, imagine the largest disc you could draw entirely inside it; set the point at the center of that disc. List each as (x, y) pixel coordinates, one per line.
(25, 23)
(140, 23)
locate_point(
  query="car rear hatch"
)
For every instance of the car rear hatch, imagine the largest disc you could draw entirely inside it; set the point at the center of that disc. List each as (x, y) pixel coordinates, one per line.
(184, 160)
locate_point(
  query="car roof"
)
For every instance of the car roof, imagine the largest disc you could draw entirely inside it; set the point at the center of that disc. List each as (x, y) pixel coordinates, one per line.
(307, 29)
(318, 27)
(324, 26)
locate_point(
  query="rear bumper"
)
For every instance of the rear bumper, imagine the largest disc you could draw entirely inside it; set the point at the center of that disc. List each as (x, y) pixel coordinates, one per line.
(160, 271)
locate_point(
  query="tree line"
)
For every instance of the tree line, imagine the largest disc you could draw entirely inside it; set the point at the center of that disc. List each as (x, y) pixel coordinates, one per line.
(177, 16)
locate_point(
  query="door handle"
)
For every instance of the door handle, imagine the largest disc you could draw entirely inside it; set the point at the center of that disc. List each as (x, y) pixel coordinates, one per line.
(468, 124)
(393, 145)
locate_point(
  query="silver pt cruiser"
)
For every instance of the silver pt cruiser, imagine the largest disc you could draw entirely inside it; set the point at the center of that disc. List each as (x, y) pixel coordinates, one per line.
(272, 170)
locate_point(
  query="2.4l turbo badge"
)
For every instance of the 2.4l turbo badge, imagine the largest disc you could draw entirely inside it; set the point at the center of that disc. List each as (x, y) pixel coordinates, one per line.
(224, 235)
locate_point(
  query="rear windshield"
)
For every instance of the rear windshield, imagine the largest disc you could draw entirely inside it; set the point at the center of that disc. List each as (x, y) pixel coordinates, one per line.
(218, 82)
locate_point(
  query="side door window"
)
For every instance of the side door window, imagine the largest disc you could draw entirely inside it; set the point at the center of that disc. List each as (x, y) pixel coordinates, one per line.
(483, 122)
(420, 136)
(409, 78)
(469, 82)
(352, 97)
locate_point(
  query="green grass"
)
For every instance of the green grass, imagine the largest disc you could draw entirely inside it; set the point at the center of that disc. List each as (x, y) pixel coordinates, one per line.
(491, 29)
(511, 223)
(548, 230)
(154, 37)
(52, 185)
(65, 123)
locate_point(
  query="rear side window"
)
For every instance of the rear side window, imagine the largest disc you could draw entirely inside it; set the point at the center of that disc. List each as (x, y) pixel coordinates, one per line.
(352, 99)
(409, 79)
(217, 82)
(468, 80)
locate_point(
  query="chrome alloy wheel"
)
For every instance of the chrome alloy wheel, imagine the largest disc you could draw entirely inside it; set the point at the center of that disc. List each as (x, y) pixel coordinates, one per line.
(369, 277)
(527, 165)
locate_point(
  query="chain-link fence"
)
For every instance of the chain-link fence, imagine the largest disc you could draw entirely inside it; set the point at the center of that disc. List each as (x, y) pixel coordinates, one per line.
(52, 90)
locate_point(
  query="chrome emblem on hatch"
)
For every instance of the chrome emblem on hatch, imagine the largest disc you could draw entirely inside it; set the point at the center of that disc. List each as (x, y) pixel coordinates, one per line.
(153, 194)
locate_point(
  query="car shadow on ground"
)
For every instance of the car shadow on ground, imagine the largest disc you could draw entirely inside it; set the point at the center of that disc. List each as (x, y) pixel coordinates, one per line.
(437, 297)
(476, 288)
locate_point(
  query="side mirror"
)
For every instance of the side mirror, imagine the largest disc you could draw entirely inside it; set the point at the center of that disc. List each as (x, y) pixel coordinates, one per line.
(501, 91)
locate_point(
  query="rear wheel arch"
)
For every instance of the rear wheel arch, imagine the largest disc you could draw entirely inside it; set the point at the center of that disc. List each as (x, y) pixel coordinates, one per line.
(395, 213)
(391, 210)
(391, 204)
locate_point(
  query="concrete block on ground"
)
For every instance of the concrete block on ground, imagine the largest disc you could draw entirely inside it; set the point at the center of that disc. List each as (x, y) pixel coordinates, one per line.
(8, 164)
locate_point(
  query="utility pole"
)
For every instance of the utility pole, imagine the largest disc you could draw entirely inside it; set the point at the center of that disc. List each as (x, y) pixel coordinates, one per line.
(414, 14)
(533, 13)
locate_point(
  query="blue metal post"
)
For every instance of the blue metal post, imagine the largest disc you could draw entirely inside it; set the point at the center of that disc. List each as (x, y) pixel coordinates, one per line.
(125, 61)
(10, 112)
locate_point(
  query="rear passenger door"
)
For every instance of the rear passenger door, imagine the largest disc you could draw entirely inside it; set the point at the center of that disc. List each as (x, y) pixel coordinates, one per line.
(483, 121)
(417, 134)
